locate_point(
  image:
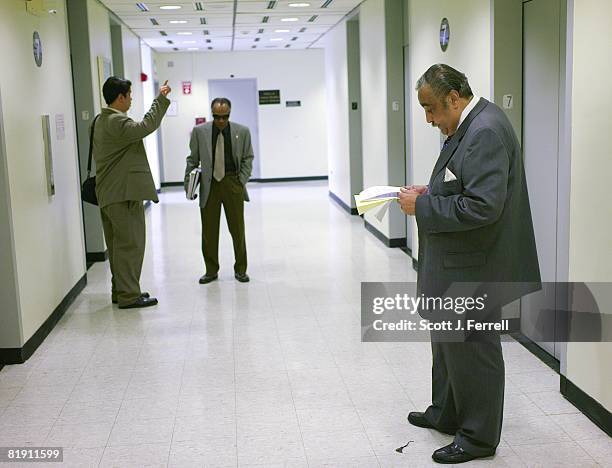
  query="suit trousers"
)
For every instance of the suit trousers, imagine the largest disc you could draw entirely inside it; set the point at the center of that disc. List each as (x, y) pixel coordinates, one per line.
(229, 192)
(125, 235)
(468, 392)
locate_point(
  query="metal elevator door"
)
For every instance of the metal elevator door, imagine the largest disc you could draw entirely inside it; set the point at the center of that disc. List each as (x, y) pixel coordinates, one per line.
(541, 88)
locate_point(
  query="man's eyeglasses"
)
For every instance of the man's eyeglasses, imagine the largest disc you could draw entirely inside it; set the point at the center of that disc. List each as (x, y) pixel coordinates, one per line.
(220, 116)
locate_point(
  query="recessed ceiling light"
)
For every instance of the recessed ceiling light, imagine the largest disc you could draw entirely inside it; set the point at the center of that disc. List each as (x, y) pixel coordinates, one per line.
(184, 33)
(178, 22)
(299, 5)
(289, 19)
(189, 42)
(192, 48)
(276, 39)
(170, 7)
(282, 30)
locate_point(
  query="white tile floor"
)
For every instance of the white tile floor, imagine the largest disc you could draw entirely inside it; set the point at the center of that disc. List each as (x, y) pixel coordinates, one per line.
(270, 373)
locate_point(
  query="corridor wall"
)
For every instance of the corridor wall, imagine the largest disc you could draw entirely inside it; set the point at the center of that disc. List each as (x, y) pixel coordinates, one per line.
(43, 233)
(292, 140)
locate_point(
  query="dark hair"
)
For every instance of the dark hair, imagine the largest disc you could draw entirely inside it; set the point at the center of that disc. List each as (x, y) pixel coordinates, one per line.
(443, 79)
(221, 100)
(113, 87)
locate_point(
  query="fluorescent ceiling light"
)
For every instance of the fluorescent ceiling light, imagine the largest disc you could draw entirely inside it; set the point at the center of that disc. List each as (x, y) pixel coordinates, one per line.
(189, 42)
(192, 48)
(178, 22)
(299, 5)
(185, 33)
(289, 19)
(282, 30)
(276, 39)
(170, 7)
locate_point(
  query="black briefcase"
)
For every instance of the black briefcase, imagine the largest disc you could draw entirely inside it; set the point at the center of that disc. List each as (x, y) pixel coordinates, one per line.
(88, 189)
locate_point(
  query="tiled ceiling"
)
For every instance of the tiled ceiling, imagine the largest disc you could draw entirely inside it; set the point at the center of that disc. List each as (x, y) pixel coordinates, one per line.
(225, 25)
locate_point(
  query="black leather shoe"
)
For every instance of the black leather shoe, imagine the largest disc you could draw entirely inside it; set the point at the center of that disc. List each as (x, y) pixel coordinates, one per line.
(140, 302)
(418, 419)
(146, 295)
(452, 454)
(207, 279)
(242, 277)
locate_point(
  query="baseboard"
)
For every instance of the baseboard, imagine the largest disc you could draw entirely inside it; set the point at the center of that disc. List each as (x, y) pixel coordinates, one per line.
(537, 351)
(400, 242)
(21, 355)
(591, 408)
(93, 257)
(172, 184)
(339, 201)
(288, 179)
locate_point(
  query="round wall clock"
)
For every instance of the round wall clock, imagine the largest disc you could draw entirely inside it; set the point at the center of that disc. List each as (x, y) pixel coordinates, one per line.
(444, 34)
(37, 48)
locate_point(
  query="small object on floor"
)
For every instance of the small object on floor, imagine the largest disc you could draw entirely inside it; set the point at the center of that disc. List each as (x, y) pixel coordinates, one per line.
(452, 454)
(242, 277)
(144, 294)
(401, 449)
(140, 302)
(207, 279)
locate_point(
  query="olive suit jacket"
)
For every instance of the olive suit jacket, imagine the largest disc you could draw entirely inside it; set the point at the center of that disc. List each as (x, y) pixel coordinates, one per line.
(122, 168)
(200, 155)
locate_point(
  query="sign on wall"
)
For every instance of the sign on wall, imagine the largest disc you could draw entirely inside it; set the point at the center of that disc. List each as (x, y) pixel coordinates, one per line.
(186, 87)
(269, 96)
(293, 103)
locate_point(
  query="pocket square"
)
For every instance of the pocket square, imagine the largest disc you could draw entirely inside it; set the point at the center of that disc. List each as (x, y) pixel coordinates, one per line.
(449, 176)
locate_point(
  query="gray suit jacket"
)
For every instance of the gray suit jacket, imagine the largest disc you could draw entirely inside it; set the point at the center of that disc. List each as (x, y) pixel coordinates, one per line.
(201, 156)
(478, 227)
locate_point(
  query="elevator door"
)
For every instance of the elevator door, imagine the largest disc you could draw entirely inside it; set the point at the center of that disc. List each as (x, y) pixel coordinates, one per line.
(541, 81)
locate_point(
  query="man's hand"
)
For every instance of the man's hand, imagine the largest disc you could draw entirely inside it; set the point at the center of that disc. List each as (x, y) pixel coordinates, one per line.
(165, 89)
(420, 189)
(407, 200)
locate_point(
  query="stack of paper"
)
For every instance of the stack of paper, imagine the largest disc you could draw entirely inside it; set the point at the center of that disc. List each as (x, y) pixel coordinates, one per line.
(376, 197)
(192, 184)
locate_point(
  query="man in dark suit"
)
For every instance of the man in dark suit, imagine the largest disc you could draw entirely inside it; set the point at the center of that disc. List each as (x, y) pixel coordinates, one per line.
(474, 225)
(123, 182)
(225, 155)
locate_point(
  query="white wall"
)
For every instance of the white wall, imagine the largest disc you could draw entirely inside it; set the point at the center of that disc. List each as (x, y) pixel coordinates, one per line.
(148, 90)
(590, 250)
(336, 81)
(292, 141)
(132, 66)
(380, 42)
(99, 44)
(47, 231)
(469, 51)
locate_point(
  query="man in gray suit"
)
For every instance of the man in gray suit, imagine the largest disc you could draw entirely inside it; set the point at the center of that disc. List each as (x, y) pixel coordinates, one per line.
(474, 225)
(225, 155)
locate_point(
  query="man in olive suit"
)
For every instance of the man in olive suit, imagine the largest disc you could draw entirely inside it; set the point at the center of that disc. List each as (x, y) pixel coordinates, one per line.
(225, 155)
(123, 182)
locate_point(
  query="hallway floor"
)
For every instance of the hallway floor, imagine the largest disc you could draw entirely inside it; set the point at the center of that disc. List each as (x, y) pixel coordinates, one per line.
(270, 373)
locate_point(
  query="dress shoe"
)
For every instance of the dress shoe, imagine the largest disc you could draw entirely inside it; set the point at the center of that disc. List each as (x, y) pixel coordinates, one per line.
(207, 279)
(242, 277)
(146, 295)
(418, 419)
(140, 302)
(452, 454)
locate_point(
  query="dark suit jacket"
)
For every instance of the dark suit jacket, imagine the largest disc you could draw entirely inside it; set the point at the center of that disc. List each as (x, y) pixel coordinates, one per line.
(200, 155)
(478, 227)
(122, 168)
